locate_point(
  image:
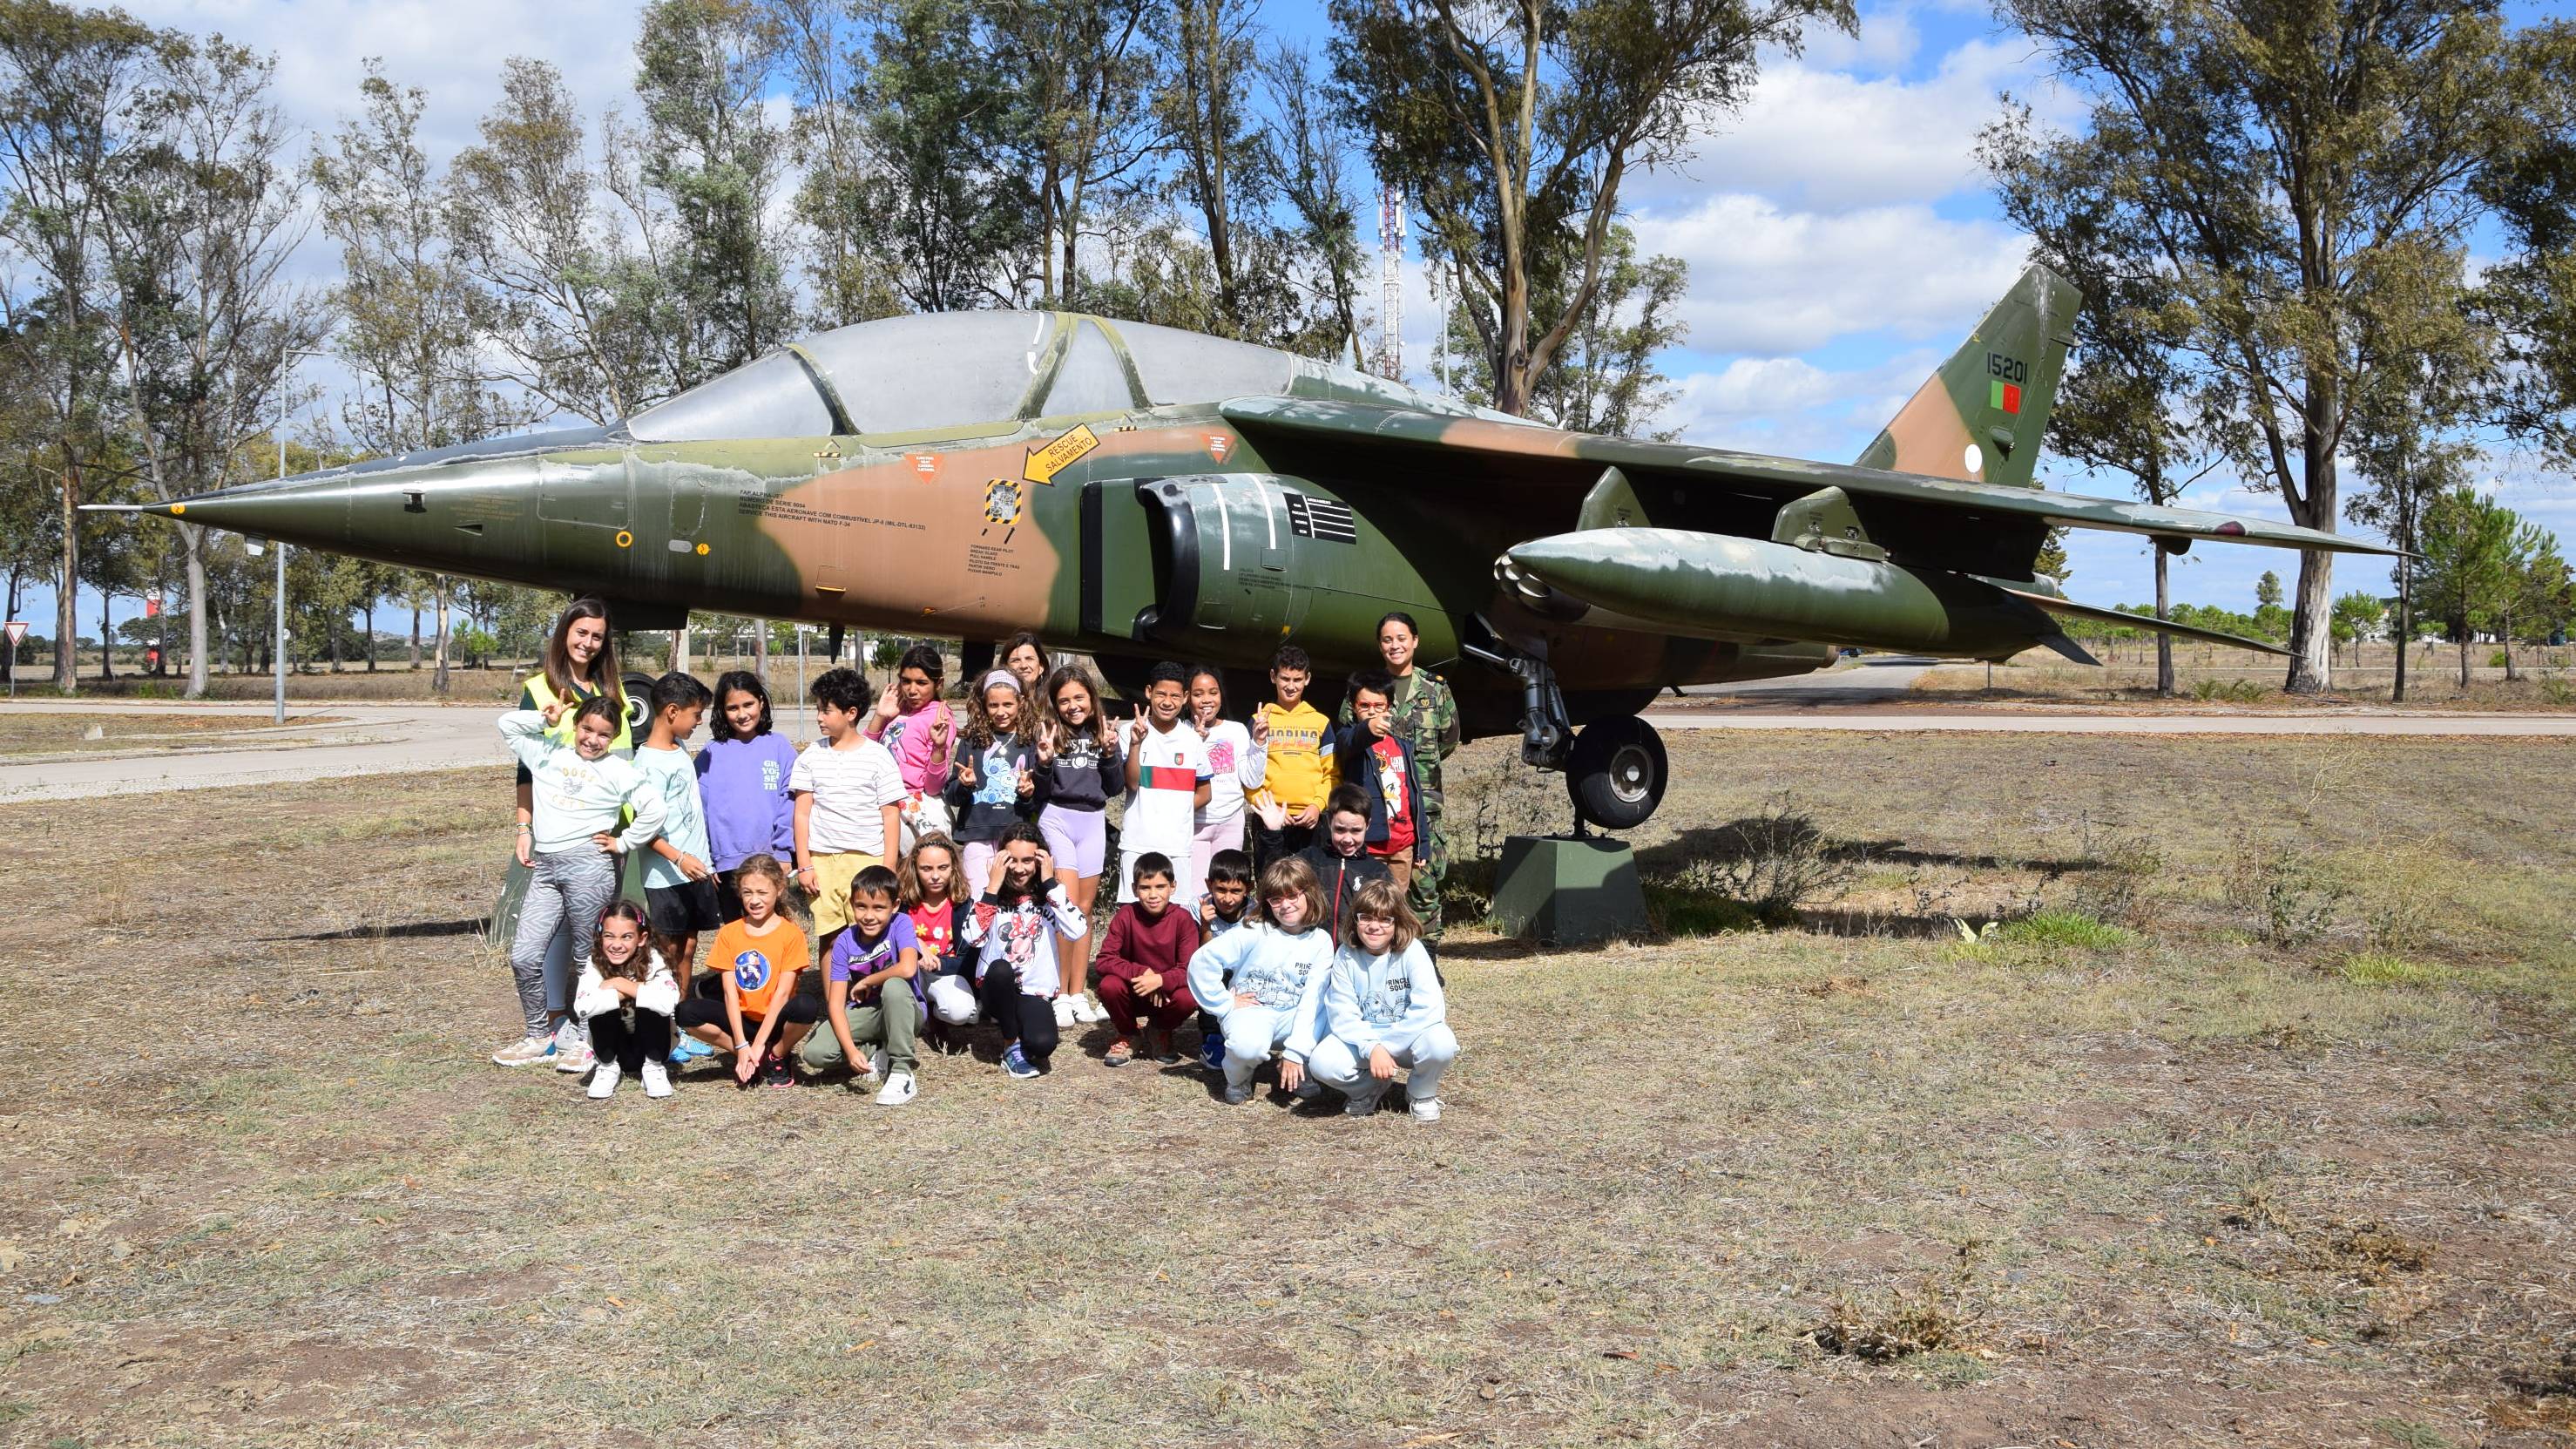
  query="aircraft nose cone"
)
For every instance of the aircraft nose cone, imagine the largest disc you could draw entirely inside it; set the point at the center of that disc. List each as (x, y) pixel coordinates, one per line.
(481, 517)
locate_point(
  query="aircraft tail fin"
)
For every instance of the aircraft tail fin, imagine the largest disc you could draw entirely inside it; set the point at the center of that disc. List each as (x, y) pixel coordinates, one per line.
(1982, 415)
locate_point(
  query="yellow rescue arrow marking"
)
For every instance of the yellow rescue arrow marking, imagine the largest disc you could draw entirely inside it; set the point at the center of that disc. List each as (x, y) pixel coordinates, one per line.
(1044, 463)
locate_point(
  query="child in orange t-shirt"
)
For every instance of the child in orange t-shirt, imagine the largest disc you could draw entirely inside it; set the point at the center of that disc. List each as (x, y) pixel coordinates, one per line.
(759, 1000)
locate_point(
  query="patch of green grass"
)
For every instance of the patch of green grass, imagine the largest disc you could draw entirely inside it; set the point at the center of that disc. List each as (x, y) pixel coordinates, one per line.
(2064, 929)
(2407, 1434)
(2379, 968)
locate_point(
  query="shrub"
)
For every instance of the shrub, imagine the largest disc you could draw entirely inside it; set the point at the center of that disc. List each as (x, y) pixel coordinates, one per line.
(1773, 862)
(2293, 898)
(2120, 885)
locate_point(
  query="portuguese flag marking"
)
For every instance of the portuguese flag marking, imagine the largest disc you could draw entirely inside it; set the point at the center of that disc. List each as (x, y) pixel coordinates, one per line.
(2004, 397)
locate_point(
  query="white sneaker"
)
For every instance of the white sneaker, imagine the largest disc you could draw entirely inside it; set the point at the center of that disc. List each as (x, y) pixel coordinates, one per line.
(1065, 1013)
(657, 1079)
(603, 1082)
(524, 1053)
(572, 1047)
(1427, 1109)
(1087, 1010)
(898, 1090)
(876, 1063)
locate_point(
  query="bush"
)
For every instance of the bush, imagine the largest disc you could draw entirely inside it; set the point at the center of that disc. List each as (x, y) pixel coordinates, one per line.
(1773, 863)
(2293, 898)
(2238, 691)
(2120, 885)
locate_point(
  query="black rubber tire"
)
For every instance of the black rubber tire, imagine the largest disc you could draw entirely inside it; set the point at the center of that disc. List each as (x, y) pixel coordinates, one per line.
(639, 703)
(1617, 772)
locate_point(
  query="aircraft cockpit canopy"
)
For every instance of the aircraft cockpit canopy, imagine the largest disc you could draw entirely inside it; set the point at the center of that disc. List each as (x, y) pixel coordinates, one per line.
(943, 371)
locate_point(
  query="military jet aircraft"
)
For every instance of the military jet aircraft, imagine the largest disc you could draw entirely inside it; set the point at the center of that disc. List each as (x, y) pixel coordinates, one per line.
(1138, 492)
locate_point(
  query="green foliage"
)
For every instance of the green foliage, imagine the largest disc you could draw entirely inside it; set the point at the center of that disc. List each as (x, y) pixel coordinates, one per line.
(2063, 928)
(1511, 129)
(2294, 898)
(2267, 591)
(2215, 139)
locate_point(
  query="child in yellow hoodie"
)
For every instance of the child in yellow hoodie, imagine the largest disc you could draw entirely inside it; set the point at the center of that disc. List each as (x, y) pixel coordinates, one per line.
(1300, 773)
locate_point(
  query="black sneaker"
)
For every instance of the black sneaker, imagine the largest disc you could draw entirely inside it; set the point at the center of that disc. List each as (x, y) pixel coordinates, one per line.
(777, 1074)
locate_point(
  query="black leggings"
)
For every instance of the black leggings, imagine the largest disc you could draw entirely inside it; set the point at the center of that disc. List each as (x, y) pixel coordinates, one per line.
(648, 1040)
(705, 1006)
(1028, 1020)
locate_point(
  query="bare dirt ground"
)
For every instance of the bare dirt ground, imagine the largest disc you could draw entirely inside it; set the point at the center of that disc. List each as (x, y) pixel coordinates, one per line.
(2206, 1149)
(25, 732)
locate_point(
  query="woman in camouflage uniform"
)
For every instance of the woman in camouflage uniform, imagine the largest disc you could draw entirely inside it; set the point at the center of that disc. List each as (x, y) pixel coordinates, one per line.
(1426, 717)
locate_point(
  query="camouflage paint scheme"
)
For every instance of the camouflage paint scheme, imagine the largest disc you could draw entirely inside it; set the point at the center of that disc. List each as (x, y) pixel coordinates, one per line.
(1175, 496)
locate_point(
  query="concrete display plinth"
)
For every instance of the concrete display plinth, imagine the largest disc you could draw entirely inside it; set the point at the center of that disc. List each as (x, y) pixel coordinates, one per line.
(1561, 890)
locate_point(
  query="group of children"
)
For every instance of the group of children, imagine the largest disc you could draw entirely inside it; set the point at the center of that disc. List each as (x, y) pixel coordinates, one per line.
(952, 866)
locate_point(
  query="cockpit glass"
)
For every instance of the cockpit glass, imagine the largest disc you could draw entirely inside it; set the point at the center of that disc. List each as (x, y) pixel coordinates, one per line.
(1089, 380)
(770, 398)
(934, 370)
(1187, 367)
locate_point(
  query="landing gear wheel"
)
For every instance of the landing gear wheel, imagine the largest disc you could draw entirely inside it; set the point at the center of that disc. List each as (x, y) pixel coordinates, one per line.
(1617, 772)
(639, 704)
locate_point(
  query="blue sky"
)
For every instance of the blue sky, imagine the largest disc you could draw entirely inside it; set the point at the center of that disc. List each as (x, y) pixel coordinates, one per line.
(1840, 237)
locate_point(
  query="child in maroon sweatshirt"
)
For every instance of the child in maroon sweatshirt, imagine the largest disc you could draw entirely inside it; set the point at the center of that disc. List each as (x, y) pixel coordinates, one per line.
(1143, 968)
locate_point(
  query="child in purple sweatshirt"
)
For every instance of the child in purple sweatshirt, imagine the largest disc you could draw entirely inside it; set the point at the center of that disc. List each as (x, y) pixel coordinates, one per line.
(742, 783)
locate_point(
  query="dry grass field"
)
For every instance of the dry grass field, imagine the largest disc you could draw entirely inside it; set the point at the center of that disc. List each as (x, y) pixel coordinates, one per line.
(2253, 1127)
(2205, 674)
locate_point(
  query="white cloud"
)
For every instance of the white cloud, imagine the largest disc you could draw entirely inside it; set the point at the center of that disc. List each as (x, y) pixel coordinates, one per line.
(1769, 281)
(1814, 133)
(1793, 408)
(451, 49)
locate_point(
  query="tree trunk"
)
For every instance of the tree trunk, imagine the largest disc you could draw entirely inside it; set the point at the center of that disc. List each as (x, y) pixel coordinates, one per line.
(760, 651)
(2504, 638)
(192, 547)
(2164, 641)
(2314, 506)
(67, 597)
(371, 634)
(106, 640)
(415, 630)
(2465, 632)
(680, 650)
(438, 673)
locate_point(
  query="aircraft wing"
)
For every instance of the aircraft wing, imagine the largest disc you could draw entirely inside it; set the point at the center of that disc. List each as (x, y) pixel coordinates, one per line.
(2068, 608)
(1579, 458)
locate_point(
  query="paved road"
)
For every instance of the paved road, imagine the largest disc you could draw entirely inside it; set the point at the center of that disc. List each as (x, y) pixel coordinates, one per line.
(1871, 679)
(372, 739)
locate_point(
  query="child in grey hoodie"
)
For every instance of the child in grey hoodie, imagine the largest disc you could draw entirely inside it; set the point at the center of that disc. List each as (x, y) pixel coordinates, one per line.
(581, 791)
(1261, 981)
(1383, 1009)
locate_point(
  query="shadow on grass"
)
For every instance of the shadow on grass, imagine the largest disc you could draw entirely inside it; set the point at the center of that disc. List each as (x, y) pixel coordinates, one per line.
(399, 930)
(1739, 840)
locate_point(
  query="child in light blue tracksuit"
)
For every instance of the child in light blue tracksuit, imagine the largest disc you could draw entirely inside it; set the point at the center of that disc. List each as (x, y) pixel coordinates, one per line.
(1382, 1009)
(1263, 981)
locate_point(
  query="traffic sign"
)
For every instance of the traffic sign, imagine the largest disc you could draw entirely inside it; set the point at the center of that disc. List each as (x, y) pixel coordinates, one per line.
(17, 629)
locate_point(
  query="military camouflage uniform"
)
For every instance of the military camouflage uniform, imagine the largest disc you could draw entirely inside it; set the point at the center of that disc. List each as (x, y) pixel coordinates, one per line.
(1426, 717)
